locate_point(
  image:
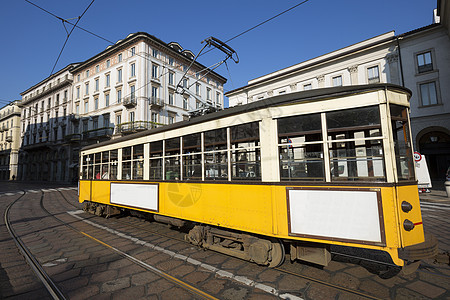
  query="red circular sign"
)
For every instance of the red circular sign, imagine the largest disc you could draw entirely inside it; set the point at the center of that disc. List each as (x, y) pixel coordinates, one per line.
(417, 156)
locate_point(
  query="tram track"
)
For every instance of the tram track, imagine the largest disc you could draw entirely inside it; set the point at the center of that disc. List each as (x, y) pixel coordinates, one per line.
(284, 271)
(29, 257)
(180, 283)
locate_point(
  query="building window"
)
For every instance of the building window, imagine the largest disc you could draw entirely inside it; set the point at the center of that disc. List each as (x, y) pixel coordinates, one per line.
(307, 87)
(86, 107)
(218, 97)
(155, 71)
(131, 116)
(171, 95)
(108, 80)
(133, 90)
(373, 75)
(197, 89)
(133, 70)
(208, 94)
(185, 83)
(154, 93)
(185, 103)
(107, 100)
(171, 61)
(106, 120)
(87, 73)
(171, 119)
(428, 93)
(78, 78)
(95, 123)
(95, 103)
(119, 75)
(108, 63)
(155, 53)
(119, 96)
(337, 81)
(77, 109)
(133, 51)
(87, 88)
(154, 117)
(171, 78)
(119, 57)
(424, 62)
(65, 96)
(78, 92)
(97, 68)
(118, 119)
(96, 85)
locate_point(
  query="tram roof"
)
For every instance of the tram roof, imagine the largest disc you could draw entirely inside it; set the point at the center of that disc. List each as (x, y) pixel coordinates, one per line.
(297, 97)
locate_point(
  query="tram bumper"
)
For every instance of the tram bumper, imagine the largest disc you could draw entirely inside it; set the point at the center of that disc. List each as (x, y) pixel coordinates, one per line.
(426, 250)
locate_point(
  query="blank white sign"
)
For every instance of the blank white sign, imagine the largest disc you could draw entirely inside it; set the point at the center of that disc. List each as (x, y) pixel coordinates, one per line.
(335, 214)
(136, 195)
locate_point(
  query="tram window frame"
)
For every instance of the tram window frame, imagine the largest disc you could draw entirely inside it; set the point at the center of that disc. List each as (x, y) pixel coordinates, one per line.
(113, 164)
(172, 166)
(156, 160)
(126, 163)
(355, 144)
(137, 166)
(402, 147)
(300, 146)
(215, 143)
(192, 156)
(245, 151)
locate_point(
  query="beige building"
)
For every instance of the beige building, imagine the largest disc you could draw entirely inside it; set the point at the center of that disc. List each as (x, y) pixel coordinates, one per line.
(418, 60)
(132, 86)
(9, 140)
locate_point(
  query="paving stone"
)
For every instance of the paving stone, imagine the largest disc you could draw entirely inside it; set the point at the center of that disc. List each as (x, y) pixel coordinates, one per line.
(214, 285)
(133, 292)
(157, 287)
(120, 263)
(196, 277)
(318, 291)
(269, 275)
(407, 294)
(117, 284)
(182, 270)
(177, 293)
(291, 283)
(131, 269)
(426, 289)
(374, 288)
(74, 283)
(104, 276)
(144, 278)
(85, 293)
(62, 276)
(345, 280)
(169, 264)
(234, 293)
(261, 296)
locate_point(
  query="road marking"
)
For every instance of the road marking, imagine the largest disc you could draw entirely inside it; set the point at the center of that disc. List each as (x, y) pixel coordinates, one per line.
(219, 272)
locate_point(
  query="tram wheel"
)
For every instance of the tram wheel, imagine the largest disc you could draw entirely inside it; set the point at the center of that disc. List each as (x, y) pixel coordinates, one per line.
(278, 254)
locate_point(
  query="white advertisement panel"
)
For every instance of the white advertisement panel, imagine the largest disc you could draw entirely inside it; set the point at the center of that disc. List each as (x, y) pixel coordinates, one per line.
(136, 195)
(350, 215)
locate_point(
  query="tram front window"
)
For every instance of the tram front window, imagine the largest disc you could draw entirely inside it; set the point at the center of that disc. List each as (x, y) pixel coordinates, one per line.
(301, 148)
(402, 142)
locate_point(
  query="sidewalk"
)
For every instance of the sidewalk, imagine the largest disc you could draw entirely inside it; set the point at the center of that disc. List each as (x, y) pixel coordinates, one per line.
(437, 196)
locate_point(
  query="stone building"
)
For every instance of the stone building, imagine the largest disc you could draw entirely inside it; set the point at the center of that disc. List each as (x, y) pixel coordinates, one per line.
(418, 60)
(45, 152)
(9, 140)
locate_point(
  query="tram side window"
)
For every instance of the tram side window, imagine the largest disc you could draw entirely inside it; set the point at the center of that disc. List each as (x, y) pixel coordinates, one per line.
(156, 151)
(402, 142)
(126, 163)
(105, 165)
(245, 152)
(88, 167)
(172, 159)
(138, 162)
(192, 157)
(216, 157)
(97, 165)
(301, 148)
(113, 161)
(355, 144)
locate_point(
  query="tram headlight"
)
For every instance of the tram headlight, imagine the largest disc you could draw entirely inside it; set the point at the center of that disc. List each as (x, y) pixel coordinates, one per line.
(406, 206)
(408, 225)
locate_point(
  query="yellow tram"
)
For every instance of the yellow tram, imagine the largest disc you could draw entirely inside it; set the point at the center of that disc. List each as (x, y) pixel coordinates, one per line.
(293, 174)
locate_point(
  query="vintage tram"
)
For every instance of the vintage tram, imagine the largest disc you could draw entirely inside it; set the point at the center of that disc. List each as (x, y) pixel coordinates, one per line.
(294, 173)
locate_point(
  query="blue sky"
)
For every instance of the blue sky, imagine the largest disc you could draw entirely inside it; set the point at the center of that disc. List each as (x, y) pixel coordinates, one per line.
(32, 39)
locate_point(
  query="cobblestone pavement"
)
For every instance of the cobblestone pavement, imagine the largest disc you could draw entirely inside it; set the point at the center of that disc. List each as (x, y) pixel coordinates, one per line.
(83, 268)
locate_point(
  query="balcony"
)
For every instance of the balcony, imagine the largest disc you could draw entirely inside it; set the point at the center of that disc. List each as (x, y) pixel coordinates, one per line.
(72, 138)
(129, 102)
(105, 132)
(156, 103)
(131, 127)
(74, 117)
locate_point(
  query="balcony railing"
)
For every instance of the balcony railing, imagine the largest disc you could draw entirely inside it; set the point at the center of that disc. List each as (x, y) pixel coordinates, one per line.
(129, 102)
(98, 133)
(155, 103)
(76, 137)
(130, 127)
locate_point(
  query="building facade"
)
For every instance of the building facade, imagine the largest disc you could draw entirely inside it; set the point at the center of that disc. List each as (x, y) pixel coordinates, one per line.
(132, 86)
(418, 60)
(45, 153)
(9, 140)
